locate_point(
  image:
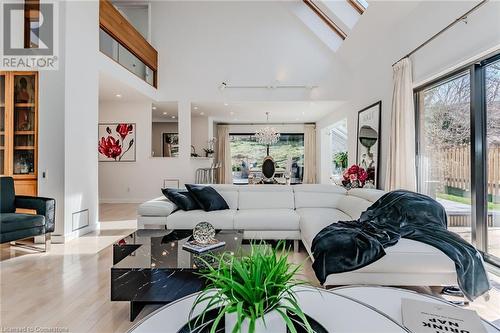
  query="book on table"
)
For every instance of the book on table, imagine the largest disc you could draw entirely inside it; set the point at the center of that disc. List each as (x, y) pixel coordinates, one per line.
(423, 317)
(196, 247)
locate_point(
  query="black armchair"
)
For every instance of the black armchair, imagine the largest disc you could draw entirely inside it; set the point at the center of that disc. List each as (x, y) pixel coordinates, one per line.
(16, 226)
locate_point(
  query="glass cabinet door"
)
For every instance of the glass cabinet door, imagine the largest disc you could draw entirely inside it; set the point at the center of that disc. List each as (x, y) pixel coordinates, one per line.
(24, 125)
(2, 124)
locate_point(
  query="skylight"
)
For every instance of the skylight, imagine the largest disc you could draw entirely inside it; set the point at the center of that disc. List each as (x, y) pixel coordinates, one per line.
(326, 16)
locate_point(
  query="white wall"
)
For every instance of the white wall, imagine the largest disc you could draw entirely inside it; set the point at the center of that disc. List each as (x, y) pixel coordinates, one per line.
(371, 78)
(67, 120)
(51, 131)
(158, 128)
(142, 180)
(81, 112)
(199, 133)
(203, 43)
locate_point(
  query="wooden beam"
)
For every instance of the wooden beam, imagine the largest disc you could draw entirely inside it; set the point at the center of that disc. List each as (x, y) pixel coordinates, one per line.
(31, 14)
(118, 27)
(357, 6)
(325, 19)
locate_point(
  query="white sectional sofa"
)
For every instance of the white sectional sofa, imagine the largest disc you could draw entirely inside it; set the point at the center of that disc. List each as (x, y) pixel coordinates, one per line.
(299, 212)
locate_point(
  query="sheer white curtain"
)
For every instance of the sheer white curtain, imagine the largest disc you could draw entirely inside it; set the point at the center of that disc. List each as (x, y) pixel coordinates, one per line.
(401, 171)
(224, 155)
(309, 154)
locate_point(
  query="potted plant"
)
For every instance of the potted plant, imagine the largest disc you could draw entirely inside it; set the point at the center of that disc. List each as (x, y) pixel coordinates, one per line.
(252, 293)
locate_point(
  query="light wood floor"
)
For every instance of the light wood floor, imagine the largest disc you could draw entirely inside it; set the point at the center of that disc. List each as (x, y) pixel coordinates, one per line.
(69, 288)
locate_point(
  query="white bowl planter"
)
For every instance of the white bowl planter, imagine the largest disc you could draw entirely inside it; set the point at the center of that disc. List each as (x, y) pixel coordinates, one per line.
(274, 323)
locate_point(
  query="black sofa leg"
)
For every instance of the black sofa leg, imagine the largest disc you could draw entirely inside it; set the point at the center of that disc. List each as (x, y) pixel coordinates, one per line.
(30, 246)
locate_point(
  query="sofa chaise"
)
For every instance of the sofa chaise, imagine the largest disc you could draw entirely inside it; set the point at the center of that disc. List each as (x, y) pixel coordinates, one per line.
(298, 213)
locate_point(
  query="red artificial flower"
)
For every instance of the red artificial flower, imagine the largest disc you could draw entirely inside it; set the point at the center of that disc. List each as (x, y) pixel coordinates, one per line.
(353, 169)
(362, 175)
(110, 147)
(124, 130)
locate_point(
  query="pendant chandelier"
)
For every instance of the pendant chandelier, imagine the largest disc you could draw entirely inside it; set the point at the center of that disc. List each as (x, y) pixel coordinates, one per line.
(267, 135)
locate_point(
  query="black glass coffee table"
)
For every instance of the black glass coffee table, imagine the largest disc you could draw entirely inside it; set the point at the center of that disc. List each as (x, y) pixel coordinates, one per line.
(150, 266)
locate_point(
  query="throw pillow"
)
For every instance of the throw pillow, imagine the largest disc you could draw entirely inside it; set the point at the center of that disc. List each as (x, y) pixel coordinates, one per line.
(183, 199)
(207, 197)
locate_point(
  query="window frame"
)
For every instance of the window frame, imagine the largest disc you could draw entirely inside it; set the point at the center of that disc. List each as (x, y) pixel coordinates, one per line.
(478, 155)
(281, 134)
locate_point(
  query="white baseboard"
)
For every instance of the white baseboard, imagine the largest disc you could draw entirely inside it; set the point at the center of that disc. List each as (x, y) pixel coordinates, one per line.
(61, 239)
(137, 201)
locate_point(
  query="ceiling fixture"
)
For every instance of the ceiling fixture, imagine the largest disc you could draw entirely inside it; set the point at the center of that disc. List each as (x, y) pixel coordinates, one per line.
(154, 107)
(275, 85)
(231, 113)
(196, 108)
(267, 135)
(118, 96)
(202, 113)
(226, 104)
(165, 113)
(173, 117)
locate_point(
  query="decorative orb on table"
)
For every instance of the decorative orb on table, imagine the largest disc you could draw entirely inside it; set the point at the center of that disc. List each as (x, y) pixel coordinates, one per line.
(204, 233)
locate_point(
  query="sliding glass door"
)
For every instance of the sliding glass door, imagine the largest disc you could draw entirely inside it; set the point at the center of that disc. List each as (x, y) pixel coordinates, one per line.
(492, 94)
(458, 148)
(444, 149)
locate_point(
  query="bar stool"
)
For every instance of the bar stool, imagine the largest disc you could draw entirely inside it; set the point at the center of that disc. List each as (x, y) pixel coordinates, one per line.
(207, 175)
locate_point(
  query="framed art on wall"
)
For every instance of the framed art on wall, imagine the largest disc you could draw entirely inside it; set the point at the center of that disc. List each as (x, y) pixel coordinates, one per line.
(368, 142)
(116, 142)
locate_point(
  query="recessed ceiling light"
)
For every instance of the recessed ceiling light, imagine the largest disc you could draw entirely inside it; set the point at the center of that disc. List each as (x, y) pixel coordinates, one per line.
(196, 108)
(202, 113)
(303, 113)
(118, 95)
(165, 113)
(226, 104)
(173, 117)
(154, 107)
(231, 113)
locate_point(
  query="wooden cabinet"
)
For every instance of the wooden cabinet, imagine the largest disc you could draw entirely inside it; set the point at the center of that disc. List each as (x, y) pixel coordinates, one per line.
(19, 129)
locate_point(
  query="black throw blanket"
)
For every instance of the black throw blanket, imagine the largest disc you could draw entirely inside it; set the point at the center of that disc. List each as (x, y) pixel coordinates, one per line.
(347, 246)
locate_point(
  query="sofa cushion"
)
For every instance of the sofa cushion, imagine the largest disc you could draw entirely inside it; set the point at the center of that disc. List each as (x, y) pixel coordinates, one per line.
(318, 199)
(353, 206)
(220, 219)
(7, 195)
(313, 220)
(409, 256)
(371, 195)
(183, 199)
(266, 219)
(229, 193)
(157, 207)
(266, 197)
(12, 221)
(207, 197)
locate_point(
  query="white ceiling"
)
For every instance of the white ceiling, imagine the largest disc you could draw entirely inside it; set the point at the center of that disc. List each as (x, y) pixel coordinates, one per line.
(110, 87)
(255, 112)
(165, 112)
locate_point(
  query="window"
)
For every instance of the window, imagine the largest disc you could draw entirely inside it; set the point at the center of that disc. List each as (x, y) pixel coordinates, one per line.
(338, 144)
(492, 81)
(458, 129)
(444, 171)
(247, 156)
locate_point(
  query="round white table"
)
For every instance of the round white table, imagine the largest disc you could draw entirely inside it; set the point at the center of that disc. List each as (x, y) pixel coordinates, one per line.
(388, 300)
(346, 309)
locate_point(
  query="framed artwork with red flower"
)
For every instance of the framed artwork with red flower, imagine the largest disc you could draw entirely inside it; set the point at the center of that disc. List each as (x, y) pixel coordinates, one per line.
(368, 143)
(116, 142)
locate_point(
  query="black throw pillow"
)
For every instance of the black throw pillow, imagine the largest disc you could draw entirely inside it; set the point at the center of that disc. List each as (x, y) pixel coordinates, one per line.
(183, 199)
(207, 197)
